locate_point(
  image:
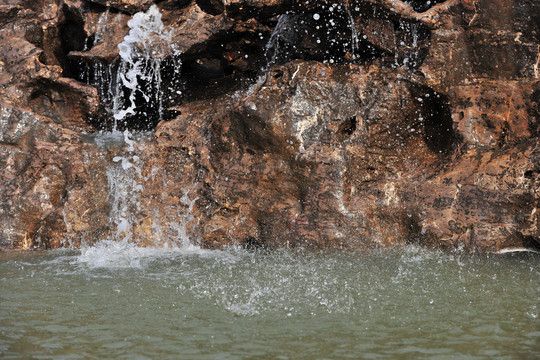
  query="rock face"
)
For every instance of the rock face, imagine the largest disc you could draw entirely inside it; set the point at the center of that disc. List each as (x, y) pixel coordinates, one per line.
(316, 124)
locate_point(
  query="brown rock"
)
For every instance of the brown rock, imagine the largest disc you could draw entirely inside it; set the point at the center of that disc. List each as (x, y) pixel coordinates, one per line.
(425, 131)
(41, 162)
(207, 26)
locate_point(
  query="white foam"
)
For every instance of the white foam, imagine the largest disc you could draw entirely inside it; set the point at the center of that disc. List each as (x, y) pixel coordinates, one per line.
(122, 254)
(514, 250)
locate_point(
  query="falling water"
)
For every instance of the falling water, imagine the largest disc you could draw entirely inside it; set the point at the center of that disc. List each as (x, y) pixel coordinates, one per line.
(133, 86)
(413, 30)
(142, 53)
(124, 188)
(100, 74)
(396, 49)
(133, 222)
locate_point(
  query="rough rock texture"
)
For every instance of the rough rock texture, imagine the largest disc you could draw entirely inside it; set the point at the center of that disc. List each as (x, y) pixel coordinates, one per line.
(320, 124)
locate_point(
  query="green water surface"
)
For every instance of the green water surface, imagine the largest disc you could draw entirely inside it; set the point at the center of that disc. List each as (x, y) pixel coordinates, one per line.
(122, 302)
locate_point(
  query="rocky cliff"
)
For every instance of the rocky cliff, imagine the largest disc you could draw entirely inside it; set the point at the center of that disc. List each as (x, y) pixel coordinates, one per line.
(270, 123)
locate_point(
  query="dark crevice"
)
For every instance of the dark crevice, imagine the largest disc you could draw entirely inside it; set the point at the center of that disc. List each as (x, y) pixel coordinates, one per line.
(347, 128)
(173, 4)
(73, 38)
(533, 173)
(531, 243)
(228, 62)
(423, 5)
(322, 35)
(231, 61)
(212, 7)
(99, 8)
(405, 42)
(252, 244)
(336, 35)
(152, 103)
(534, 113)
(433, 110)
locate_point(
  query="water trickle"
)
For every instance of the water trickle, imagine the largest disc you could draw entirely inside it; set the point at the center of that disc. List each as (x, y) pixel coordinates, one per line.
(272, 50)
(101, 27)
(101, 74)
(414, 32)
(354, 34)
(396, 49)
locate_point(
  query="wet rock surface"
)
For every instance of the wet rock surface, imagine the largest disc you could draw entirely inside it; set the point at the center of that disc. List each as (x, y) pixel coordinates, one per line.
(320, 124)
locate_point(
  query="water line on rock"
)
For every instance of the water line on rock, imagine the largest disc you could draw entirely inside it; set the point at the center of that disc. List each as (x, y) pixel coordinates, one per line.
(413, 30)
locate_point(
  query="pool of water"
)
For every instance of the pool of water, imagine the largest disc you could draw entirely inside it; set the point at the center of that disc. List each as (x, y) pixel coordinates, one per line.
(122, 302)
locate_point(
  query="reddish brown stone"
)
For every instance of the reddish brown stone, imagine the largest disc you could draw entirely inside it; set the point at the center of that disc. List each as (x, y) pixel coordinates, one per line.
(428, 137)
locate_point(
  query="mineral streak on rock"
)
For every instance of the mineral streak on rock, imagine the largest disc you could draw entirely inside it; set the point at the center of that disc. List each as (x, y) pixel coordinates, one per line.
(292, 123)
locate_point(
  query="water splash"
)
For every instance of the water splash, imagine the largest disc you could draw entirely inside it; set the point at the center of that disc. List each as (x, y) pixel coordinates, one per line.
(110, 254)
(136, 88)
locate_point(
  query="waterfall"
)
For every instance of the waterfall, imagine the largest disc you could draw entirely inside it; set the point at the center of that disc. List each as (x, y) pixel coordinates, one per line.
(415, 53)
(100, 74)
(141, 57)
(136, 88)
